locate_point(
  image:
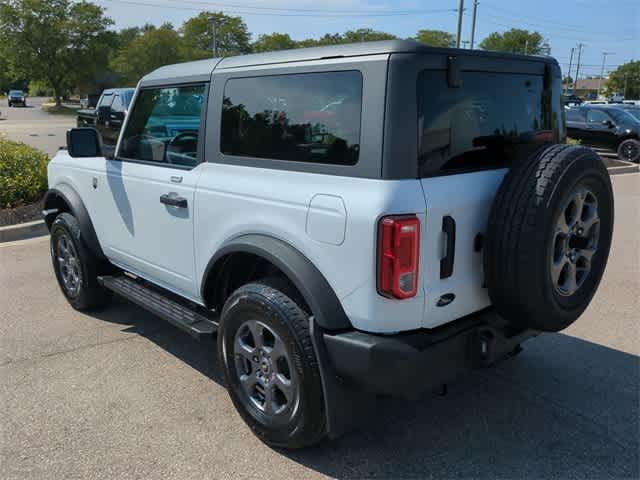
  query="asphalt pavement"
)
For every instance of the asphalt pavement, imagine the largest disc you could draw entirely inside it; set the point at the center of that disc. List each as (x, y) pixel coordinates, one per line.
(119, 394)
(34, 126)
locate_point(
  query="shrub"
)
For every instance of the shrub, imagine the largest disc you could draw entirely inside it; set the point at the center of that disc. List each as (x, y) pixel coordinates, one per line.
(23, 173)
(573, 141)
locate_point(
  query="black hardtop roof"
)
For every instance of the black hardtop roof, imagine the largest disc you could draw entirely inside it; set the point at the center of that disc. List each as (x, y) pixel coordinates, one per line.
(201, 68)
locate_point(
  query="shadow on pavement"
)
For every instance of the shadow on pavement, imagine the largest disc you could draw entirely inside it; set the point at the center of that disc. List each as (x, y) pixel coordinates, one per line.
(564, 408)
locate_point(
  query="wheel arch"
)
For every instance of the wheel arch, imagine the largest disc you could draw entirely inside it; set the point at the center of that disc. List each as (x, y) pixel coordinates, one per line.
(63, 198)
(290, 262)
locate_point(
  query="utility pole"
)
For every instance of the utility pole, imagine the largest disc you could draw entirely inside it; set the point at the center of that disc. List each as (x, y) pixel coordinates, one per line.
(570, 64)
(575, 82)
(604, 59)
(473, 22)
(214, 40)
(526, 46)
(460, 12)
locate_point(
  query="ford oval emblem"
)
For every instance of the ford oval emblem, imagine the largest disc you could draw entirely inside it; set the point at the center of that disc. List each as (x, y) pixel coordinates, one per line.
(445, 300)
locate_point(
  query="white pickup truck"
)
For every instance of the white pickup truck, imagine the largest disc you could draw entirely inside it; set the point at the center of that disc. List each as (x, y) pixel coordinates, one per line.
(351, 220)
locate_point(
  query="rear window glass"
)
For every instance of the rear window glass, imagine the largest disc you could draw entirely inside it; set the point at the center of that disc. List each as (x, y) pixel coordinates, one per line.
(575, 116)
(491, 120)
(309, 117)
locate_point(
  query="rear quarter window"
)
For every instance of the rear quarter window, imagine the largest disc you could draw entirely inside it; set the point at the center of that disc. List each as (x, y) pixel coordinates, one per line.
(488, 122)
(307, 117)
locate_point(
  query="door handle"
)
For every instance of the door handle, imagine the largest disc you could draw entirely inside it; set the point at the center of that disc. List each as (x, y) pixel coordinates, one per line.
(446, 263)
(173, 200)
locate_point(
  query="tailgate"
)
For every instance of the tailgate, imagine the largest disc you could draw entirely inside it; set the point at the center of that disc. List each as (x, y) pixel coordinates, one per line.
(457, 213)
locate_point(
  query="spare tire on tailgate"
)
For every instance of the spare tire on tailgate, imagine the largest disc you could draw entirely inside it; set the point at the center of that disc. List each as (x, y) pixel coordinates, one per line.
(548, 237)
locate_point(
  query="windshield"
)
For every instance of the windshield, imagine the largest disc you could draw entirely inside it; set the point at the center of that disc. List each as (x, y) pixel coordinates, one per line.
(15, 92)
(621, 116)
(633, 111)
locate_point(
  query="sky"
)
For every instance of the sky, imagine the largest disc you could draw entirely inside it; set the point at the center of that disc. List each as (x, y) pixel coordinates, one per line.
(611, 26)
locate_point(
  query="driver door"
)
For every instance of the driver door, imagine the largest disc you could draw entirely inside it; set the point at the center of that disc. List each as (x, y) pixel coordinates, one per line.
(149, 192)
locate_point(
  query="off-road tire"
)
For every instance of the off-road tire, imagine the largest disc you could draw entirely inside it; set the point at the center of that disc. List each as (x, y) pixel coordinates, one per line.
(89, 294)
(522, 236)
(260, 301)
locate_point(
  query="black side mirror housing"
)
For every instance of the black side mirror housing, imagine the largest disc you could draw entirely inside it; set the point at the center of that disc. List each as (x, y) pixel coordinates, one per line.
(84, 142)
(609, 123)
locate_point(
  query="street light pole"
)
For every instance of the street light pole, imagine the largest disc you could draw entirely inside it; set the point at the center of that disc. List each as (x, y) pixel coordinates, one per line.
(604, 58)
(473, 22)
(570, 64)
(575, 82)
(460, 11)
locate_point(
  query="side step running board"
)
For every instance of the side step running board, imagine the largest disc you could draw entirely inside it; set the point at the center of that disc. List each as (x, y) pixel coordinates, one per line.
(197, 322)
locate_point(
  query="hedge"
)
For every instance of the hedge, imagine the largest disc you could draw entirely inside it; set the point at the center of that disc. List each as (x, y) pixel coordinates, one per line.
(23, 174)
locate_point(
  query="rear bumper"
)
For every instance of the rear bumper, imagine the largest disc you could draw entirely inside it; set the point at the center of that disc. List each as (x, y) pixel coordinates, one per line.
(410, 363)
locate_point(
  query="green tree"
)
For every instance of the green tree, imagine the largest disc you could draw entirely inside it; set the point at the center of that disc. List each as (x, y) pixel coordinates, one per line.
(517, 41)
(436, 38)
(59, 42)
(273, 41)
(154, 48)
(365, 35)
(625, 79)
(232, 35)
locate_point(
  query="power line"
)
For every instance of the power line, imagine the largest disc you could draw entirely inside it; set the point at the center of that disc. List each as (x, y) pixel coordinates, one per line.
(550, 33)
(544, 21)
(276, 14)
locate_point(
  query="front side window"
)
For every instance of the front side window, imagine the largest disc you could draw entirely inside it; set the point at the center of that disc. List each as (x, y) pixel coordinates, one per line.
(488, 122)
(575, 116)
(117, 105)
(164, 126)
(597, 116)
(309, 117)
(106, 100)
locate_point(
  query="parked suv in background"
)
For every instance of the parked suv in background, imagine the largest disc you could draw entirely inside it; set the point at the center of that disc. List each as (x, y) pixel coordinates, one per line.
(17, 97)
(109, 113)
(606, 126)
(349, 220)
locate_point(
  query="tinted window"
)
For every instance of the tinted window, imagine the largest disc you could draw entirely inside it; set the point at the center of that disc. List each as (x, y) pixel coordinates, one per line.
(164, 126)
(117, 105)
(597, 116)
(491, 120)
(575, 116)
(106, 100)
(311, 117)
(634, 112)
(622, 116)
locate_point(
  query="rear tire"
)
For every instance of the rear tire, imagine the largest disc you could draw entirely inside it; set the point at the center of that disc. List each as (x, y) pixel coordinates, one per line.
(629, 150)
(548, 237)
(270, 366)
(76, 267)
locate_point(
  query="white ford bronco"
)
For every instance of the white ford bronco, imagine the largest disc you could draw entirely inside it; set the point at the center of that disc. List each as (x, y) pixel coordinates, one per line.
(351, 220)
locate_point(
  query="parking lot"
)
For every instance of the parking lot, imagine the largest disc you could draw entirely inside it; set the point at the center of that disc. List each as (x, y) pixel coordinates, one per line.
(119, 394)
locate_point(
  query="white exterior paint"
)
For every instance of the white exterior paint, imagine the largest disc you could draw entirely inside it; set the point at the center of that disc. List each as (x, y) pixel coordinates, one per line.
(332, 220)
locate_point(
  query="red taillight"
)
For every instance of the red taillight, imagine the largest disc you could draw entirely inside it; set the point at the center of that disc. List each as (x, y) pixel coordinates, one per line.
(398, 254)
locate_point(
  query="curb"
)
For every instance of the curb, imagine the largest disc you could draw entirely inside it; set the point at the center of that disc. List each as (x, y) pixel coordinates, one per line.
(22, 231)
(630, 168)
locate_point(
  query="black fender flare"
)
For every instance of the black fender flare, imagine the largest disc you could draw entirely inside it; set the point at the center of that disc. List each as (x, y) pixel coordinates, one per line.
(309, 281)
(343, 403)
(68, 196)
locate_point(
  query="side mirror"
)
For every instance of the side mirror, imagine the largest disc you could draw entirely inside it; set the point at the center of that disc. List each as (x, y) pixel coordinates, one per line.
(608, 123)
(84, 142)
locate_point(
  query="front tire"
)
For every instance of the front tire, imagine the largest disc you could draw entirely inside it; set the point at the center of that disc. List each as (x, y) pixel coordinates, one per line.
(270, 366)
(76, 267)
(629, 150)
